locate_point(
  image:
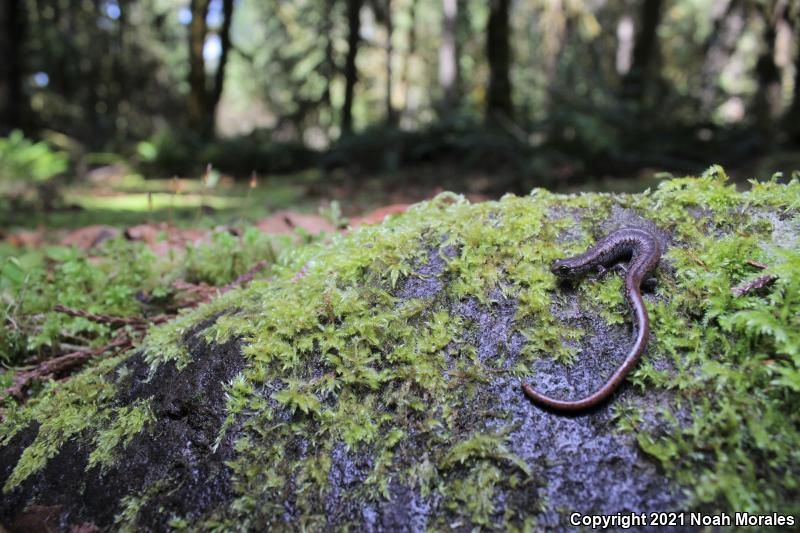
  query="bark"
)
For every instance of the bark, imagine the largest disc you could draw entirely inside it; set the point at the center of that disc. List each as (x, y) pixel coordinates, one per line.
(329, 67)
(498, 52)
(119, 83)
(350, 70)
(12, 37)
(793, 115)
(219, 76)
(449, 72)
(645, 53)
(792, 118)
(390, 113)
(405, 76)
(198, 97)
(766, 104)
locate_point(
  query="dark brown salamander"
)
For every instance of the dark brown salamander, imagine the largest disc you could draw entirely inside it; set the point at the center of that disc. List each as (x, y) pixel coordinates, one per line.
(644, 251)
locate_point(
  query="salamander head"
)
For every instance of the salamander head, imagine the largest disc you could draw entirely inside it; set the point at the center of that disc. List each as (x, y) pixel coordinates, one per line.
(563, 268)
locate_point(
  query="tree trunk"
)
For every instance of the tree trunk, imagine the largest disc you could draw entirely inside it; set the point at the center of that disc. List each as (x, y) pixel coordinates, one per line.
(390, 113)
(12, 36)
(766, 104)
(405, 76)
(792, 118)
(645, 53)
(219, 75)
(198, 97)
(329, 67)
(449, 72)
(350, 70)
(498, 53)
(119, 83)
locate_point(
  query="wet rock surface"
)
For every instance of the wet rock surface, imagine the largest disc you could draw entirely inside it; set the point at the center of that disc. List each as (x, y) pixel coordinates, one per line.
(579, 463)
(189, 407)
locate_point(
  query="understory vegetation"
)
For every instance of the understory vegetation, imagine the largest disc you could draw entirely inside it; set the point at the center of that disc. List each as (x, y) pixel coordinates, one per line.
(346, 356)
(118, 279)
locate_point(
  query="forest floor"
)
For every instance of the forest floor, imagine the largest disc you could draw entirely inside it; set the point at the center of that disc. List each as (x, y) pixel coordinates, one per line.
(116, 196)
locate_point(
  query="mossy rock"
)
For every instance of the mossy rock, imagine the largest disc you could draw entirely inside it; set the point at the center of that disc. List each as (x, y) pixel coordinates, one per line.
(374, 382)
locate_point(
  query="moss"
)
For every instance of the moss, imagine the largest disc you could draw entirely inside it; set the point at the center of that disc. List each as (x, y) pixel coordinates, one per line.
(81, 409)
(356, 391)
(126, 422)
(131, 506)
(83, 404)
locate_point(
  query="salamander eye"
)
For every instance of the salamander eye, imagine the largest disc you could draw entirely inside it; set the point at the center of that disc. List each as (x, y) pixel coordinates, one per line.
(559, 269)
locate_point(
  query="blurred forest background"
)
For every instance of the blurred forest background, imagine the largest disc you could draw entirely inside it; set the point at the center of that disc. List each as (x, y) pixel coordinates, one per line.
(478, 96)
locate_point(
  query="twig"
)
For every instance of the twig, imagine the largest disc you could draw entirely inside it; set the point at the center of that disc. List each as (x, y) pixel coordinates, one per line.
(756, 264)
(758, 283)
(103, 319)
(57, 365)
(245, 278)
(136, 322)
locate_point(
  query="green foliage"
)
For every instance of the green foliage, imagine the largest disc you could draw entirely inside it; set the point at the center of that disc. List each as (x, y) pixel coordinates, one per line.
(33, 283)
(482, 446)
(467, 144)
(606, 296)
(111, 282)
(735, 357)
(25, 164)
(182, 152)
(64, 412)
(228, 256)
(258, 152)
(22, 159)
(296, 399)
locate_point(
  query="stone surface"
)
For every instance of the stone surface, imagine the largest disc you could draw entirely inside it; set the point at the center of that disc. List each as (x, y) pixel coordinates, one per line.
(540, 466)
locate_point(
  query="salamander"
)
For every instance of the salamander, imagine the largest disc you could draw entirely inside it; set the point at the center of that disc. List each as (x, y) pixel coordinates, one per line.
(644, 250)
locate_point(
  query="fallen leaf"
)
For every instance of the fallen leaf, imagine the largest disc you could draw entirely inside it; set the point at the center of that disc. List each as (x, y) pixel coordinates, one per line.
(378, 215)
(27, 238)
(285, 222)
(89, 236)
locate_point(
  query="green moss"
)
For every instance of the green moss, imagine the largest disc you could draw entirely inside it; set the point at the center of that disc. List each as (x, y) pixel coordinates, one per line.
(83, 404)
(131, 505)
(126, 422)
(732, 433)
(342, 369)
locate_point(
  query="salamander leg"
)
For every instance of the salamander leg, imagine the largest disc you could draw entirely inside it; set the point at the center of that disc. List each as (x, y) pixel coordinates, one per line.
(649, 284)
(602, 271)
